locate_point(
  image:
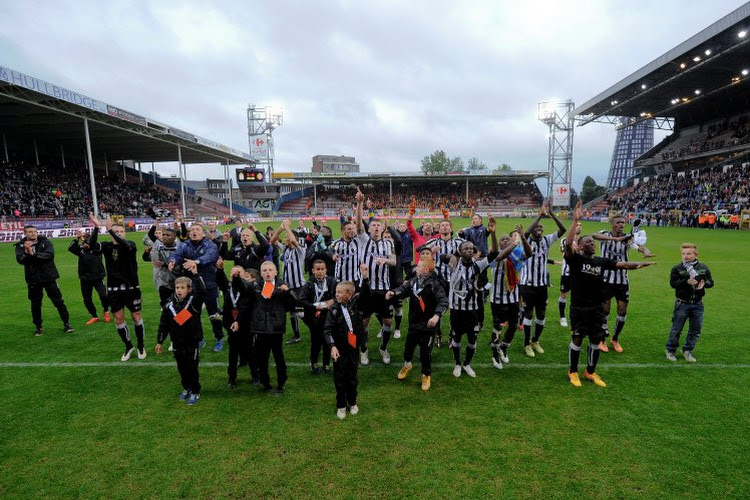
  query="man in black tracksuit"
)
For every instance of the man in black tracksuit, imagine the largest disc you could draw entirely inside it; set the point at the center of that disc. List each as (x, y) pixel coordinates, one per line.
(236, 318)
(316, 297)
(344, 332)
(271, 300)
(428, 302)
(122, 283)
(91, 274)
(37, 255)
(181, 321)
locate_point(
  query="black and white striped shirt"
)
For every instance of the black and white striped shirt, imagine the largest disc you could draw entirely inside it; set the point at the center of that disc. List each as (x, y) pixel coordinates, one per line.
(294, 266)
(534, 272)
(347, 265)
(617, 251)
(499, 293)
(565, 267)
(462, 289)
(370, 250)
(444, 247)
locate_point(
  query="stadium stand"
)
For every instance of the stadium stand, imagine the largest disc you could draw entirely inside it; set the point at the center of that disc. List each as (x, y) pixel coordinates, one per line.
(685, 197)
(42, 192)
(485, 197)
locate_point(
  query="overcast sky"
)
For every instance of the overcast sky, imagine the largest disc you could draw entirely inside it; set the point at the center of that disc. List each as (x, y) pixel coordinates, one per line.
(386, 81)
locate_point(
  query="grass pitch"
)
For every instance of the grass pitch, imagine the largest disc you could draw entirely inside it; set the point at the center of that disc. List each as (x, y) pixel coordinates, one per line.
(78, 423)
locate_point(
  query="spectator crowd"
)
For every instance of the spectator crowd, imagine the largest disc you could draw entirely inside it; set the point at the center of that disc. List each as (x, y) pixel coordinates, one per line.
(32, 191)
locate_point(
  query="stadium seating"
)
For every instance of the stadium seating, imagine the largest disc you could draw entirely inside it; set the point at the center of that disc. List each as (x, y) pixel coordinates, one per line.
(44, 192)
(713, 188)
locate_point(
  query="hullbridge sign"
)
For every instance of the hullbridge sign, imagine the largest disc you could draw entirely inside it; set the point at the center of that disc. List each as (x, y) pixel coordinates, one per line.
(23, 80)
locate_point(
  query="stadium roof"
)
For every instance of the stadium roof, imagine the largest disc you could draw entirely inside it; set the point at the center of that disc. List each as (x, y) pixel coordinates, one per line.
(688, 81)
(34, 110)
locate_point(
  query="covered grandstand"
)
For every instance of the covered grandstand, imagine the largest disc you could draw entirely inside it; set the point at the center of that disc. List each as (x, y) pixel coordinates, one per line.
(699, 90)
(505, 192)
(47, 121)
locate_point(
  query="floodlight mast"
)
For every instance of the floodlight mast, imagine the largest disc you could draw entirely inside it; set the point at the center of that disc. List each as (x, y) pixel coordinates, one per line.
(558, 116)
(261, 122)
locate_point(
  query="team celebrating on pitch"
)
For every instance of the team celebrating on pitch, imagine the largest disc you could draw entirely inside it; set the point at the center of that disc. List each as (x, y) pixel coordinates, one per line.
(336, 286)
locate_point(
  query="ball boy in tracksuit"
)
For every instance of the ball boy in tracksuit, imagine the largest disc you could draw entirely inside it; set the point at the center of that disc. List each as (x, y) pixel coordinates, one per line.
(316, 297)
(428, 302)
(344, 332)
(235, 317)
(181, 321)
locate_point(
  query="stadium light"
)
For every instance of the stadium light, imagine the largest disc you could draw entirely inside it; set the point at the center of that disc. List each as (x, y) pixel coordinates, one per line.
(742, 34)
(708, 52)
(613, 103)
(643, 86)
(697, 91)
(683, 66)
(697, 59)
(745, 72)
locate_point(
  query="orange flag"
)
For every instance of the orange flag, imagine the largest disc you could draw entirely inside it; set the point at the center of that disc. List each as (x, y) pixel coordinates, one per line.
(268, 288)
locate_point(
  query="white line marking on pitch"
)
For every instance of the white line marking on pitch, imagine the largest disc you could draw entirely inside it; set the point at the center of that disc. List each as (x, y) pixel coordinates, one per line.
(521, 366)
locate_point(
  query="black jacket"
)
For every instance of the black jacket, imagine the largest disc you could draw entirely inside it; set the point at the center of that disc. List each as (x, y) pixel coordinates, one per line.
(191, 331)
(90, 267)
(679, 277)
(39, 267)
(268, 316)
(306, 298)
(433, 296)
(249, 257)
(236, 298)
(335, 330)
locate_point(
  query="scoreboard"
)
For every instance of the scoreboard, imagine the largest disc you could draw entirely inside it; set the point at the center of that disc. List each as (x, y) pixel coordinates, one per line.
(250, 175)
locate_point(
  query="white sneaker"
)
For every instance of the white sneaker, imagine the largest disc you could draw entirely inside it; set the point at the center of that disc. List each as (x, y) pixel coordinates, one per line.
(142, 354)
(671, 356)
(385, 356)
(529, 351)
(469, 371)
(380, 334)
(354, 409)
(504, 357)
(457, 371)
(397, 334)
(127, 354)
(564, 322)
(688, 355)
(171, 347)
(341, 413)
(497, 364)
(537, 347)
(364, 358)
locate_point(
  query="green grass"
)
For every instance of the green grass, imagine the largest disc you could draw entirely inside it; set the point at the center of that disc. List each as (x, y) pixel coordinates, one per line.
(658, 430)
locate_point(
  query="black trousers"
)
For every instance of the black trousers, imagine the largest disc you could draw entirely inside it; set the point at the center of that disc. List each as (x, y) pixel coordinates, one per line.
(87, 288)
(241, 348)
(345, 376)
(317, 344)
(265, 345)
(187, 358)
(164, 294)
(423, 339)
(36, 294)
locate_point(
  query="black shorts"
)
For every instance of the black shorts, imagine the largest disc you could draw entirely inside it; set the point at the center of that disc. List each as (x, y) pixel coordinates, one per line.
(587, 322)
(534, 296)
(120, 299)
(464, 321)
(564, 284)
(502, 313)
(619, 292)
(377, 304)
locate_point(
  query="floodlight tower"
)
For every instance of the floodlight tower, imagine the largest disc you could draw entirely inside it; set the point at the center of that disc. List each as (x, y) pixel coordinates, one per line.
(261, 122)
(558, 116)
